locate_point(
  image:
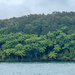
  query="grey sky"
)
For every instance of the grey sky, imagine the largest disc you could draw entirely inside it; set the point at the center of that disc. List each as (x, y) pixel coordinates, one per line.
(16, 8)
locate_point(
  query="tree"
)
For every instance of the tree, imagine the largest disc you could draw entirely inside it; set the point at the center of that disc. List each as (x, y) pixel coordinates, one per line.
(52, 55)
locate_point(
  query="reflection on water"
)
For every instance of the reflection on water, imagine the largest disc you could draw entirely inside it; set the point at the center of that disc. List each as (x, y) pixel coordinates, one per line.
(37, 68)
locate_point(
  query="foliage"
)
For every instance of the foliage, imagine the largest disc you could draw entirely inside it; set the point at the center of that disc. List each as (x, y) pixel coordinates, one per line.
(38, 37)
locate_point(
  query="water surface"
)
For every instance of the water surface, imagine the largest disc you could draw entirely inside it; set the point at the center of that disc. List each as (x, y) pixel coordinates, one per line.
(37, 68)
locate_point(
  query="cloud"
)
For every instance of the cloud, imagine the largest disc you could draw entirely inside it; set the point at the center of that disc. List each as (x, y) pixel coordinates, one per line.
(16, 8)
(12, 8)
(12, 2)
(71, 3)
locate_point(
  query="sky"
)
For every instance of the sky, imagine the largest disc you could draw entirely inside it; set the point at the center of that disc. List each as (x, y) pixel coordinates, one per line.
(17, 8)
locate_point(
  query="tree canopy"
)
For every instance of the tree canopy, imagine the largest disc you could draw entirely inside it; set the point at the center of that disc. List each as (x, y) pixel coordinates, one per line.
(38, 37)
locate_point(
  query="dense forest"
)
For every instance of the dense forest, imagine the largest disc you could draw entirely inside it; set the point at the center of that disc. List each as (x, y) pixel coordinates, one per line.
(38, 37)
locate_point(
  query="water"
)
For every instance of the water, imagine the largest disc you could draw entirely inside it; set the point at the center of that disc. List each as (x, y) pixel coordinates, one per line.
(36, 68)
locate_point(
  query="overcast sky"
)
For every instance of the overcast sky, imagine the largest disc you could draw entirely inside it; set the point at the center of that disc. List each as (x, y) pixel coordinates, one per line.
(17, 8)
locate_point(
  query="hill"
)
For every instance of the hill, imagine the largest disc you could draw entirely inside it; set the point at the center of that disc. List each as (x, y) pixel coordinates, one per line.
(38, 37)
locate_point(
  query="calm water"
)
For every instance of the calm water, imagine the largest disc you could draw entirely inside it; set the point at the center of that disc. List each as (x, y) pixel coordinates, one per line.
(36, 68)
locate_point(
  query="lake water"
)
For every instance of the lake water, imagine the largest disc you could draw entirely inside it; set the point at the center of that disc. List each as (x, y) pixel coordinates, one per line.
(37, 68)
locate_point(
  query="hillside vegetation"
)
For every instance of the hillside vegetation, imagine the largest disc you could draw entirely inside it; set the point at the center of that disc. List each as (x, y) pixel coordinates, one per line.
(38, 37)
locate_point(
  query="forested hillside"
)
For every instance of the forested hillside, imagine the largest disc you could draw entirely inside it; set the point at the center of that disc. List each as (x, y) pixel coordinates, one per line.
(38, 37)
